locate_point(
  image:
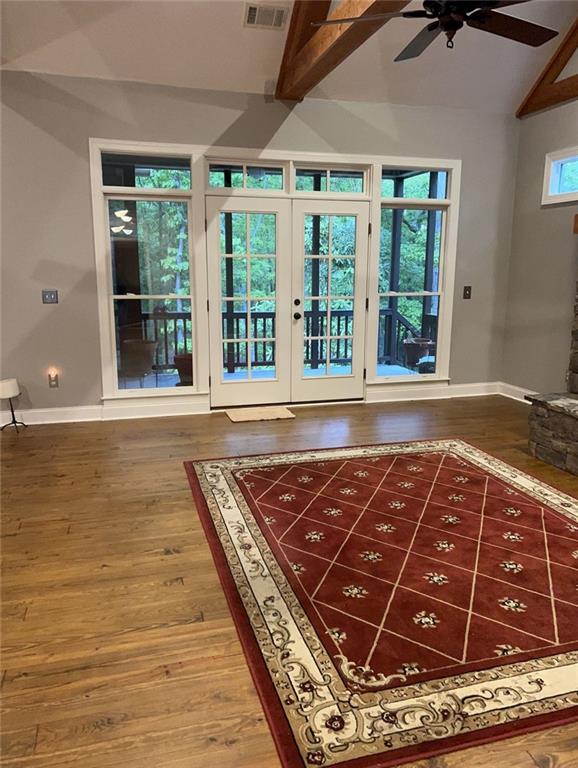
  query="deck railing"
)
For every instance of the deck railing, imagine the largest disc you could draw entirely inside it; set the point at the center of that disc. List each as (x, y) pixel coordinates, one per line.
(172, 332)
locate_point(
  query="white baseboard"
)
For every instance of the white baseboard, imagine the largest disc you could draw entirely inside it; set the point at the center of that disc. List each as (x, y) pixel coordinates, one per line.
(138, 408)
(112, 410)
(514, 392)
(386, 393)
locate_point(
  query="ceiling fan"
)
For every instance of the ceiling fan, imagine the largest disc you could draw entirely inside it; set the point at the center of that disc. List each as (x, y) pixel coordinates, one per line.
(450, 16)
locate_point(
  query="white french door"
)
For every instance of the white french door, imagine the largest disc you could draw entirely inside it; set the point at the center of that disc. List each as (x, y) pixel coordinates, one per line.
(287, 284)
(330, 244)
(249, 254)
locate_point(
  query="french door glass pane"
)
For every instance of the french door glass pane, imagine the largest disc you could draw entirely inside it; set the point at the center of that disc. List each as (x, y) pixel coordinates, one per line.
(343, 231)
(396, 182)
(316, 235)
(149, 246)
(340, 359)
(342, 277)
(262, 318)
(263, 234)
(233, 233)
(328, 325)
(233, 277)
(316, 277)
(234, 319)
(315, 318)
(235, 366)
(248, 287)
(315, 357)
(153, 343)
(407, 335)
(263, 359)
(341, 317)
(410, 247)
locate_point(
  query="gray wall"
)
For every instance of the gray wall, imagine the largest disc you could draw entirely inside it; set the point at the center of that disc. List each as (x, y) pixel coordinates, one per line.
(543, 262)
(47, 228)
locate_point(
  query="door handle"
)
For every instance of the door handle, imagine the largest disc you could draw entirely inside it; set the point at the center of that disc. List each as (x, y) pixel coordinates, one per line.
(297, 315)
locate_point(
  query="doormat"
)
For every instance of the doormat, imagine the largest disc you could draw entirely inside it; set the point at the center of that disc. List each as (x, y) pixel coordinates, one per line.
(269, 413)
(398, 601)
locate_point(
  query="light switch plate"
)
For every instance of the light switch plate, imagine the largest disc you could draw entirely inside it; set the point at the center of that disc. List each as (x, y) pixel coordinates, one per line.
(49, 296)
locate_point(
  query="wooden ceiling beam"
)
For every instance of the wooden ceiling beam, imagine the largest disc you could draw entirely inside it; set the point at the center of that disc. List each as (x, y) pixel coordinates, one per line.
(546, 91)
(309, 58)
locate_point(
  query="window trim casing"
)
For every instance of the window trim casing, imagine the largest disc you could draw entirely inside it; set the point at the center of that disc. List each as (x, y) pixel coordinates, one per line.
(200, 156)
(553, 157)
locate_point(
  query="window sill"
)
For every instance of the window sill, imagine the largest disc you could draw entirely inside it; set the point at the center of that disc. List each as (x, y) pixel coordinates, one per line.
(404, 380)
(144, 395)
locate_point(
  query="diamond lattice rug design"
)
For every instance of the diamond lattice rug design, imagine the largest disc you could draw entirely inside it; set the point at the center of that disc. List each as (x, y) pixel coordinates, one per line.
(396, 601)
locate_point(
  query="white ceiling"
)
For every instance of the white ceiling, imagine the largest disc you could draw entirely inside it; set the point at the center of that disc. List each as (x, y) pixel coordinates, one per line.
(202, 44)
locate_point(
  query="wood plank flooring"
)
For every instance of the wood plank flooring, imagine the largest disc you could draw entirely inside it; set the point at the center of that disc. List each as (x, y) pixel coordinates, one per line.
(118, 646)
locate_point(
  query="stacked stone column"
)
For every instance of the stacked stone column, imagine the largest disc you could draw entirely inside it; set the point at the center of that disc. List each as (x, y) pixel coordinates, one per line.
(554, 417)
(573, 370)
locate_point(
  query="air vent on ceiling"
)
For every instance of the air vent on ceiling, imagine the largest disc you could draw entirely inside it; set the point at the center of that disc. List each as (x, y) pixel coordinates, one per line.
(266, 16)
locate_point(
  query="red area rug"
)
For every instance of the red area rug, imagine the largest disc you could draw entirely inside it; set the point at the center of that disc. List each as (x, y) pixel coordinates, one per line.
(396, 601)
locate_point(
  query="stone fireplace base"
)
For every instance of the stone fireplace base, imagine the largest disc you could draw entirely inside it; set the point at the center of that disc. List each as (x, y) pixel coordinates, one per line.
(554, 430)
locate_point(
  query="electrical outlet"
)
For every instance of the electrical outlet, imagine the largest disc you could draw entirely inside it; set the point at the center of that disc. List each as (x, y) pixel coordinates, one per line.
(49, 296)
(467, 292)
(53, 380)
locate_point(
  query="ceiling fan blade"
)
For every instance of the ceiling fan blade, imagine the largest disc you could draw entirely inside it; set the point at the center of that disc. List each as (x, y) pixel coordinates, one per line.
(420, 42)
(376, 17)
(504, 3)
(510, 27)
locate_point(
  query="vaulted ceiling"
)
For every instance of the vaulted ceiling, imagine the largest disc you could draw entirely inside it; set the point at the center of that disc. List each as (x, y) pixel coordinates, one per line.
(205, 45)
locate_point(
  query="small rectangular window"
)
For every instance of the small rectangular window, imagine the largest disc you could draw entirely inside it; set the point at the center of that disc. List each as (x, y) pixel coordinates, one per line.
(146, 172)
(264, 178)
(414, 184)
(346, 181)
(225, 175)
(323, 180)
(310, 180)
(245, 177)
(561, 177)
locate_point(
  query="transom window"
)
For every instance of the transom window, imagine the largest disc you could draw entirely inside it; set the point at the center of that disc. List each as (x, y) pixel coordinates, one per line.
(414, 184)
(329, 180)
(146, 172)
(232, 176)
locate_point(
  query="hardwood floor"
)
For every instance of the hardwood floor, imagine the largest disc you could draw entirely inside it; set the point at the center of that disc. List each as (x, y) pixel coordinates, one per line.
(119, 649)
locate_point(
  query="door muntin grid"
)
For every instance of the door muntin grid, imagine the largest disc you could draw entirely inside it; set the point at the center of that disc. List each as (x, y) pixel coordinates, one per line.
(329, 267)
(248, 265)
